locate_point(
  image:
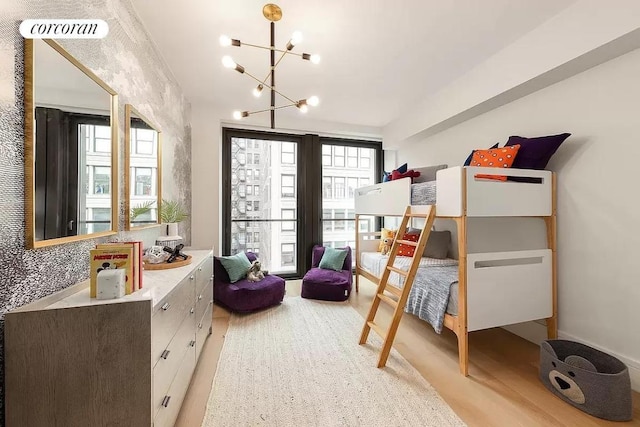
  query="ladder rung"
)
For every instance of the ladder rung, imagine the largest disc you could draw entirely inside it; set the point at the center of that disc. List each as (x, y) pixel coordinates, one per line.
(378, 329)
(388, 300)
(419, 215)
(407, 242)
(396, 291)
(397, 270)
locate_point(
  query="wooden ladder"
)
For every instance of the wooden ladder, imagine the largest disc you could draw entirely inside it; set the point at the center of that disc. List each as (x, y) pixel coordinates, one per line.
(428, 213)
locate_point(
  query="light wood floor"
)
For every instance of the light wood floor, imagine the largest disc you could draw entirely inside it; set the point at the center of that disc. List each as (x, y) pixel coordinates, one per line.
(502, 389)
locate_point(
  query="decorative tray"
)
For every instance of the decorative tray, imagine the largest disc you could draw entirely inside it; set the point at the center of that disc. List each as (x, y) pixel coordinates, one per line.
(166, 265)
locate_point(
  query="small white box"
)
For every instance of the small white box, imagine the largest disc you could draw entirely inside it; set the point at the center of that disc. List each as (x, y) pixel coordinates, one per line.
(111, 284)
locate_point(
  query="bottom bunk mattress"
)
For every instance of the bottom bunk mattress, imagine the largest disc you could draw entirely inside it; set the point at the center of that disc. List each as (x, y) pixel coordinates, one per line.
(434, 290)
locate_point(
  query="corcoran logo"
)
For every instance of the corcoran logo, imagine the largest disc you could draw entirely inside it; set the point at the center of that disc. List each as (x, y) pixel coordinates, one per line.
(64, 29)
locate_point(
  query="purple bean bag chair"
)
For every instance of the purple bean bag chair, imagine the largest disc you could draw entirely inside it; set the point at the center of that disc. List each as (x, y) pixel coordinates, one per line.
(327, 285)
(244, 296)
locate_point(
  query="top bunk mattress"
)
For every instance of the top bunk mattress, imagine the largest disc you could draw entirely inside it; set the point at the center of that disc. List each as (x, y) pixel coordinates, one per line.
(423, 193)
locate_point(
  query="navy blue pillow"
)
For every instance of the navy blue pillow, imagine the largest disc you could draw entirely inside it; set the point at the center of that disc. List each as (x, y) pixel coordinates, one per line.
(468, 161)
(535, 153)
(402, 169)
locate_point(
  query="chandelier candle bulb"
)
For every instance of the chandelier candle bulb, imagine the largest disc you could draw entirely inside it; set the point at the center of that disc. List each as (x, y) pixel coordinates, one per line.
(228, 62)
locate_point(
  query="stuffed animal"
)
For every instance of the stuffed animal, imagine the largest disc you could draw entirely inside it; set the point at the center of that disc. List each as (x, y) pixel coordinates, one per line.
(255, 272)
(410, 173)
(387, 242)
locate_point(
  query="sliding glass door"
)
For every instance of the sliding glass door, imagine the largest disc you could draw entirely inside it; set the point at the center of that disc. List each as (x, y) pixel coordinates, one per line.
(284, 193)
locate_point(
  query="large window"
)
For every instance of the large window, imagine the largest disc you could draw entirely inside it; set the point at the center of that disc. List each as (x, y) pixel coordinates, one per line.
(340, 179)
(301, 195)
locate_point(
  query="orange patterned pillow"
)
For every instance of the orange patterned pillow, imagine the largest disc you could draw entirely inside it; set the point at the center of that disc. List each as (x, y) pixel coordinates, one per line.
(406, 250)
(495, 158)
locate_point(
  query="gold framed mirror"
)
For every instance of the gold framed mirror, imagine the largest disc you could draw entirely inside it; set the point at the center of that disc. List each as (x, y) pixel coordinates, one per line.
(142, 170)
(71, 148)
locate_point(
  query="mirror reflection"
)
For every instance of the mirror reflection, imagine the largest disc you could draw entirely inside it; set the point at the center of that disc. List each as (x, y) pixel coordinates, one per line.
(143, 165)
(72, 168)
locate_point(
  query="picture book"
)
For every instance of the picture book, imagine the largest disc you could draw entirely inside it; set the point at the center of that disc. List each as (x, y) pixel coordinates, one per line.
(137, 260)
(111, 257)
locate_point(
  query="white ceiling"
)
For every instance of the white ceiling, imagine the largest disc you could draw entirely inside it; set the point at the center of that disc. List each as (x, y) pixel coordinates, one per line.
(378, 58)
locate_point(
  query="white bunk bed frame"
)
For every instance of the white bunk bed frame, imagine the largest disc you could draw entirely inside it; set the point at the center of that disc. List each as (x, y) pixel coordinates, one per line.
(526, 280)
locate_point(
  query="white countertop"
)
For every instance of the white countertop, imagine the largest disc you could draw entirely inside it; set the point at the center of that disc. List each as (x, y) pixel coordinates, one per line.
(156, 285)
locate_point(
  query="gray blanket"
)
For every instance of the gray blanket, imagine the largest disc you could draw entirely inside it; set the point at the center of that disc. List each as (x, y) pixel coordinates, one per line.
(429, 294)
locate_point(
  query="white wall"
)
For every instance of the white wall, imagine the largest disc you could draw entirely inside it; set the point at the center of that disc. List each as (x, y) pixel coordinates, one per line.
(598, 220)
(206, 134)
(585, 34)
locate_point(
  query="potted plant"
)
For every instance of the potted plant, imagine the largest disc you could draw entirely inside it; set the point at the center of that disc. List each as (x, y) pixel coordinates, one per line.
(171, 213)
(142, 208)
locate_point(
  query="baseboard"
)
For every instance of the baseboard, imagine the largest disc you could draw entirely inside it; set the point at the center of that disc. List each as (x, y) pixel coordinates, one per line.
(536, 333)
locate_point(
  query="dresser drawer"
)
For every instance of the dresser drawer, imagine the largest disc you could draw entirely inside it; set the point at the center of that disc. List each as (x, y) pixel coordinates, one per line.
(171, 401)
(202, 331)
(165, 369)
(203, 298)
(168, 316)
(204, 274)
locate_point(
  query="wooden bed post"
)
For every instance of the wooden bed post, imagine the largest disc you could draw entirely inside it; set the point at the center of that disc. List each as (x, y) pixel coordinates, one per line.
(550, 222)
(461, 330)
(357, 259)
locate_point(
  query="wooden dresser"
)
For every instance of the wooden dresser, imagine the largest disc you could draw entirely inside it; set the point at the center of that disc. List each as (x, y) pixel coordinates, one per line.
(75, 361)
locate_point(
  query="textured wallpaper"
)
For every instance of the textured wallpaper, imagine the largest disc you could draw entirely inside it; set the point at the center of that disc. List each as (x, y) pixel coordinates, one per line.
(128, 62)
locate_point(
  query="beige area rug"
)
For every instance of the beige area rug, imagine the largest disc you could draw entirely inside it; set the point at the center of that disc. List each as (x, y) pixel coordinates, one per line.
(299, 364)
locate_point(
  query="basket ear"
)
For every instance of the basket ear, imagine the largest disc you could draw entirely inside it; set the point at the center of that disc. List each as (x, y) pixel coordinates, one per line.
(547, 347)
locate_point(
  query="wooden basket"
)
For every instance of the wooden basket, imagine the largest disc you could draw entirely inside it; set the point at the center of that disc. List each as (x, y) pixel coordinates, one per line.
(166, 265)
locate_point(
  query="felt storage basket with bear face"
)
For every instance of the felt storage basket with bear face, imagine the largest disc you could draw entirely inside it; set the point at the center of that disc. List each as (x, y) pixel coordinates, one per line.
(592, 381)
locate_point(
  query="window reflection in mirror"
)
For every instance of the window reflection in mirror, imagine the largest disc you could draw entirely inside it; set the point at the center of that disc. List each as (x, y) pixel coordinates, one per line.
(70, 159)
(143, 163)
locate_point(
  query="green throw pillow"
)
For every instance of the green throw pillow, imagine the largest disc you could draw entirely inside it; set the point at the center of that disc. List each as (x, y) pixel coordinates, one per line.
(236, 265)
(333, 259)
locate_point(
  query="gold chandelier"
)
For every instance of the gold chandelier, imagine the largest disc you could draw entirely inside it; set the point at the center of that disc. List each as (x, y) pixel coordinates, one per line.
(273, 13)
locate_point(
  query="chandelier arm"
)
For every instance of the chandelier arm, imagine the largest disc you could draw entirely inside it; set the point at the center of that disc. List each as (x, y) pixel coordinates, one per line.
(271, 109)
(269, 87)
(264, 82)
(274, 49)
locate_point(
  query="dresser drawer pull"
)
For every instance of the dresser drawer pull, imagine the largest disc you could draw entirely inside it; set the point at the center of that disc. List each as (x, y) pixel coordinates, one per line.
(165, 401)
(200, 326)
(192, 311)
(165, 354)
(192, 343)
(199, 297)
(211, 279)
(199, 268)
(165, 306)
(190, 277)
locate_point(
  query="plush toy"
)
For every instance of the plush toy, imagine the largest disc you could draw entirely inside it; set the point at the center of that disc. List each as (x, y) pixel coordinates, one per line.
(387, 242)
(256, 273)
(410, 174)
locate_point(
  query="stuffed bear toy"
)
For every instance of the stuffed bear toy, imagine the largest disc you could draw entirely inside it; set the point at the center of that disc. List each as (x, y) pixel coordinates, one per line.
(255, 272)
(387, 242)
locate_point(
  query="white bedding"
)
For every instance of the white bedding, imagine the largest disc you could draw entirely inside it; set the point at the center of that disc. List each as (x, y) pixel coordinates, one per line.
(375, 262)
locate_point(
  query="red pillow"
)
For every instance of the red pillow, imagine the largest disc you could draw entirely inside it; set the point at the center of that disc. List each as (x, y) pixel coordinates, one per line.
(495, 158)
(406, 250)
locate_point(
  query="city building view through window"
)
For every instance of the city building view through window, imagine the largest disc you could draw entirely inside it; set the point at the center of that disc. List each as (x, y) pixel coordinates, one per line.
(264, 198)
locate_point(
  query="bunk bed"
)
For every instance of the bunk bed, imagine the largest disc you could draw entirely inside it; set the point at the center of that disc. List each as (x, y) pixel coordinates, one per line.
(486, 289)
